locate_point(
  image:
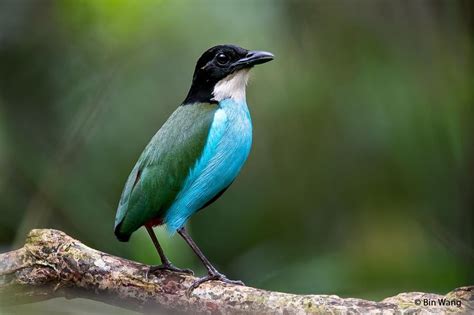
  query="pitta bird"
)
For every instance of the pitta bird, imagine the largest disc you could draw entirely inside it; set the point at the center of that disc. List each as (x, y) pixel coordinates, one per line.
(196, 154)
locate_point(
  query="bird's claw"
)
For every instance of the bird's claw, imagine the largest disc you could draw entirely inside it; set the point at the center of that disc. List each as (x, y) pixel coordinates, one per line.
(169, 266)
(210, 277)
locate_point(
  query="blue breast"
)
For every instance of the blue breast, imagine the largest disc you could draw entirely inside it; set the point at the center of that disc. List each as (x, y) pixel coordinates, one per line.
(226, 150)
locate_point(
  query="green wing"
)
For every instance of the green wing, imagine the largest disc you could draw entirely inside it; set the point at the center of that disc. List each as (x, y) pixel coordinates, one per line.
(163, 167)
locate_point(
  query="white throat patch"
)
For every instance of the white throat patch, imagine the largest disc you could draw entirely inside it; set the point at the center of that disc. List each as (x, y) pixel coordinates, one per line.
(232, 86)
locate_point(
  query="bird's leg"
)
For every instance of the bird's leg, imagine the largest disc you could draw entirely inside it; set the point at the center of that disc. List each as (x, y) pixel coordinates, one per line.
(212, 273)
(165, 263)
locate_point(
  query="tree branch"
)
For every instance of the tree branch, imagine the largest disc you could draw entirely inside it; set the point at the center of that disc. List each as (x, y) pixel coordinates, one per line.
(52, 264)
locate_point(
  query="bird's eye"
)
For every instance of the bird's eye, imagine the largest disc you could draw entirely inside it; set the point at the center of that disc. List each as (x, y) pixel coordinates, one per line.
(222, 59)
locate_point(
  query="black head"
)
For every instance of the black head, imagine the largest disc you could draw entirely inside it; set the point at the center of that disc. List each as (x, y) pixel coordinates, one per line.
(216, 64)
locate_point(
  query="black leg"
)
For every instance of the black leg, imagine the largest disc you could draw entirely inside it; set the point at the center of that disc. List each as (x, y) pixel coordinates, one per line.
(165, 263)
(212, 273)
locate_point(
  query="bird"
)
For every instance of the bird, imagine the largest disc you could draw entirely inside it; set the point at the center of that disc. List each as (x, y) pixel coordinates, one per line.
(195, 156)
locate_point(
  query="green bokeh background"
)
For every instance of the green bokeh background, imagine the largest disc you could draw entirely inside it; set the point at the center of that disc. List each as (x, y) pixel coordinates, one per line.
(360, 180)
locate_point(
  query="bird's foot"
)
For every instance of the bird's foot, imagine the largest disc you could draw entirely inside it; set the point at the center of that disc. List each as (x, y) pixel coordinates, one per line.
(212, 276)
(167, 266)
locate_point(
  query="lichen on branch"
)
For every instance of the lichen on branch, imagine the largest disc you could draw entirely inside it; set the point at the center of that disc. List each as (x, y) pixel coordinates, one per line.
(52, 264)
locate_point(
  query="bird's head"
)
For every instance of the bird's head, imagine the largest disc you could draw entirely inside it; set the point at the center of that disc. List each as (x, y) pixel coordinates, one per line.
(222, 72)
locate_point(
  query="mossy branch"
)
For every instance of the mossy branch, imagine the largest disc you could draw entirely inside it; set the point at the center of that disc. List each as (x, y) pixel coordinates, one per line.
(52, 264)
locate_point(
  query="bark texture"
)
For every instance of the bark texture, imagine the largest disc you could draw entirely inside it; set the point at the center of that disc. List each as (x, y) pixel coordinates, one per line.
(52, 264)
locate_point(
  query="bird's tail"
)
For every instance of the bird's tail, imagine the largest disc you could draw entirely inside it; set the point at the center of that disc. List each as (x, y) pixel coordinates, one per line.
(121, 236)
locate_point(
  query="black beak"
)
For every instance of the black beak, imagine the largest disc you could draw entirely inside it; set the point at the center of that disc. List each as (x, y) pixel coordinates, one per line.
(253, 57)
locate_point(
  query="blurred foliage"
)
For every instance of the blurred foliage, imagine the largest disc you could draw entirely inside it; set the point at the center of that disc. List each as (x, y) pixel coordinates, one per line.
(360, 180)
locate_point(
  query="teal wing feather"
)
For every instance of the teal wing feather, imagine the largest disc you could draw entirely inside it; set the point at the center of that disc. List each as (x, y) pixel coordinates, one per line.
(163, 167)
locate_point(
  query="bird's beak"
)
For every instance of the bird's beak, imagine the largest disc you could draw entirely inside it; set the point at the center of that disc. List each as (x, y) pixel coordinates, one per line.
(253, 57)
